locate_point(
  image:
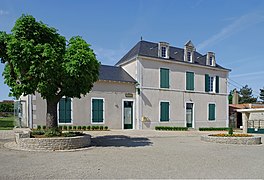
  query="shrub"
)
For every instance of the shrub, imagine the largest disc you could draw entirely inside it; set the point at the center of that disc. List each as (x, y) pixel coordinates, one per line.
(84, 128)
(213, 129)
(74, 127)
(54, 132)
(73, 134)
(65, 128)
(60, 128)
(106, 128)
(93, 127)
(70, 128)
(37, 132)
(97, 127)
(230, 131)
(44, 127)
(38, 127)
(101, 127)
(168, 128)
(88, 128)
(79, 127)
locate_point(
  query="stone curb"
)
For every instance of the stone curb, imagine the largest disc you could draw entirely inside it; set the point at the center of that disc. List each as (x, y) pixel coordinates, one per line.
(255, 140)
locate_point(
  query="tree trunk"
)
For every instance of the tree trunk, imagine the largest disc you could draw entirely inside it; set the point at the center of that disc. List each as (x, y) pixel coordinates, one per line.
(51, 117)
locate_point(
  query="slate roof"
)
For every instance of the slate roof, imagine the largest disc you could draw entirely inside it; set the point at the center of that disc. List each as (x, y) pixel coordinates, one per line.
(114, 73)
(150, 49)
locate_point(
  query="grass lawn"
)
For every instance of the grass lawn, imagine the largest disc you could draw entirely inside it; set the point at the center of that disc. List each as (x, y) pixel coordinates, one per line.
(7, 123)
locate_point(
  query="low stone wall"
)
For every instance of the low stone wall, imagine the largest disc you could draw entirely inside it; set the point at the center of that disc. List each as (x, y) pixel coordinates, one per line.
(24, 142)
(232, 140)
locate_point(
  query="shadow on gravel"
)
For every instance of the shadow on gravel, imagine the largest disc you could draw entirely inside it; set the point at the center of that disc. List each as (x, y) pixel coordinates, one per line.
(120, 141)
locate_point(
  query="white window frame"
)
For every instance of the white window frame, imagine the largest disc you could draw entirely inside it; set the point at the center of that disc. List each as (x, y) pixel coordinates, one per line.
(91, 110)
(212, 89)
(208, 111)
(160, 111)
(58, 113)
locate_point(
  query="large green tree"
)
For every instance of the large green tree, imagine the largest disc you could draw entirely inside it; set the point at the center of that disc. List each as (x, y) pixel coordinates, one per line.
(261, 94)
(246, 95)
(38, 59)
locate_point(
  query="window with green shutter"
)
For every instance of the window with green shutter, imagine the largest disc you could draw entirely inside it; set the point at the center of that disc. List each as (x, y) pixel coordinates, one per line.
(97, 110)
(189, 81)
(164, 78)
(211, 111)
(65, 110)
(164, 111)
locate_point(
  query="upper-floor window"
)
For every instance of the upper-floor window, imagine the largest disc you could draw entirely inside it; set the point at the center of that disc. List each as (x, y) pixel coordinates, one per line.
(164, 78)
(211, 83)
(211, 63)
(190, 81)
(189, 56)
(163, 52)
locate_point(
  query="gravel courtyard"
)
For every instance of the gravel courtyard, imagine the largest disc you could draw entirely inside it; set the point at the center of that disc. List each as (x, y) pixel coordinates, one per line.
(134, 155)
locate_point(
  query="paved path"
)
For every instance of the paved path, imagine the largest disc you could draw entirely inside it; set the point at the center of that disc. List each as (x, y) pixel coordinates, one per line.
(136, 154)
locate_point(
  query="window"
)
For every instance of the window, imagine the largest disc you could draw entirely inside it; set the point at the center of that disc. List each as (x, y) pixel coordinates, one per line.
(211, 83)
(97, 110)
(211, 61)
(65, 110)
(211, 112)
(164, 78)
(189, 56)
(163, 51)
(189, 81)
(164, 111)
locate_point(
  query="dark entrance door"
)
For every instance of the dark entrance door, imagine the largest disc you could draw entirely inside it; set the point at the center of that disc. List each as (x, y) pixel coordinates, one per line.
(128, 114)
(189, 115)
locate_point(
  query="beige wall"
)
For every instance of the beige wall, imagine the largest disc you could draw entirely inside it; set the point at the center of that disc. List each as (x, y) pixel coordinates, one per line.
(151, 104)
(151, 73)
(113, 94)
(131, 68)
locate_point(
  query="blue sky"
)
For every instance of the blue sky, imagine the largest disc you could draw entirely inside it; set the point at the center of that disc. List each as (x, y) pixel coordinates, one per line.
(233, 29)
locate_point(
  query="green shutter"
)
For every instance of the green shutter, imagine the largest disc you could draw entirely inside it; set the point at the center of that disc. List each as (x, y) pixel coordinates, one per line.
(164, 78)
(62, 110)
(211, 115)
(189, 81)
(65, 110)
(206, 83)
(97, 110)
(164, 111)
(217, 84)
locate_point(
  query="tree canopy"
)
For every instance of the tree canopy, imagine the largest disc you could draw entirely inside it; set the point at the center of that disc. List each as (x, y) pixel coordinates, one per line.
(38, 59)
(246, 95)
(261, 95)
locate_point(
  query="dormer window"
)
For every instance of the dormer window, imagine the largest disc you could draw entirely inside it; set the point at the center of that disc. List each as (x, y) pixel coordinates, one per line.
(189, 50)
(189, 56)
(210, 59)
(163, 50)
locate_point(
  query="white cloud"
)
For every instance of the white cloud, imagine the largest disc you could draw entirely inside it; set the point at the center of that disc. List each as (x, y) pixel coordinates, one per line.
(237, 25)
(3, 12)
(247, 74)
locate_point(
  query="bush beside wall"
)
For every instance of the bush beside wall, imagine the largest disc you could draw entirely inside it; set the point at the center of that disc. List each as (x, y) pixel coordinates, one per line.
(213, 129)
(168, 128)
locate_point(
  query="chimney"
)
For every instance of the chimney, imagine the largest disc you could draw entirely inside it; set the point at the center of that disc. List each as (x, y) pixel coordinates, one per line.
(235, 97)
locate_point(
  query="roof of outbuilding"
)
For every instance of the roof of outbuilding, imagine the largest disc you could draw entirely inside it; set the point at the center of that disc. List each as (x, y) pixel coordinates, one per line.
(150, 49)
(114, 73)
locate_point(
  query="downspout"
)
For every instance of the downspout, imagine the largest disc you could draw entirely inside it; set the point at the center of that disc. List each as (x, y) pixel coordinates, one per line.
(30, 119)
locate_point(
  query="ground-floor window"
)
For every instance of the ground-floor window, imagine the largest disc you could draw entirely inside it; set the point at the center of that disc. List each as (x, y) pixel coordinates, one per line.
(164, 111)
(211, 112)
(97, 110)
(65, 110)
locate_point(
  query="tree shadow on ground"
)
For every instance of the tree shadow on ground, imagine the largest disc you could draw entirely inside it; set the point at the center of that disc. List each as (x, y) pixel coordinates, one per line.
(120, 141)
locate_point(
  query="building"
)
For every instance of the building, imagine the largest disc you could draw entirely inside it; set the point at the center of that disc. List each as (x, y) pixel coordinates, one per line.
(154, 84)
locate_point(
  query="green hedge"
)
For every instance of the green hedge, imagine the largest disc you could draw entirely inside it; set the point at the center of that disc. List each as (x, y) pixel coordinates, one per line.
(167, 128)
(79, 128)
(213, 129)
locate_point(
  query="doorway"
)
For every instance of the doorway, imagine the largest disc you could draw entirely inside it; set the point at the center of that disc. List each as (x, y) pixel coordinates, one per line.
(189, 115)
(128, 114)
